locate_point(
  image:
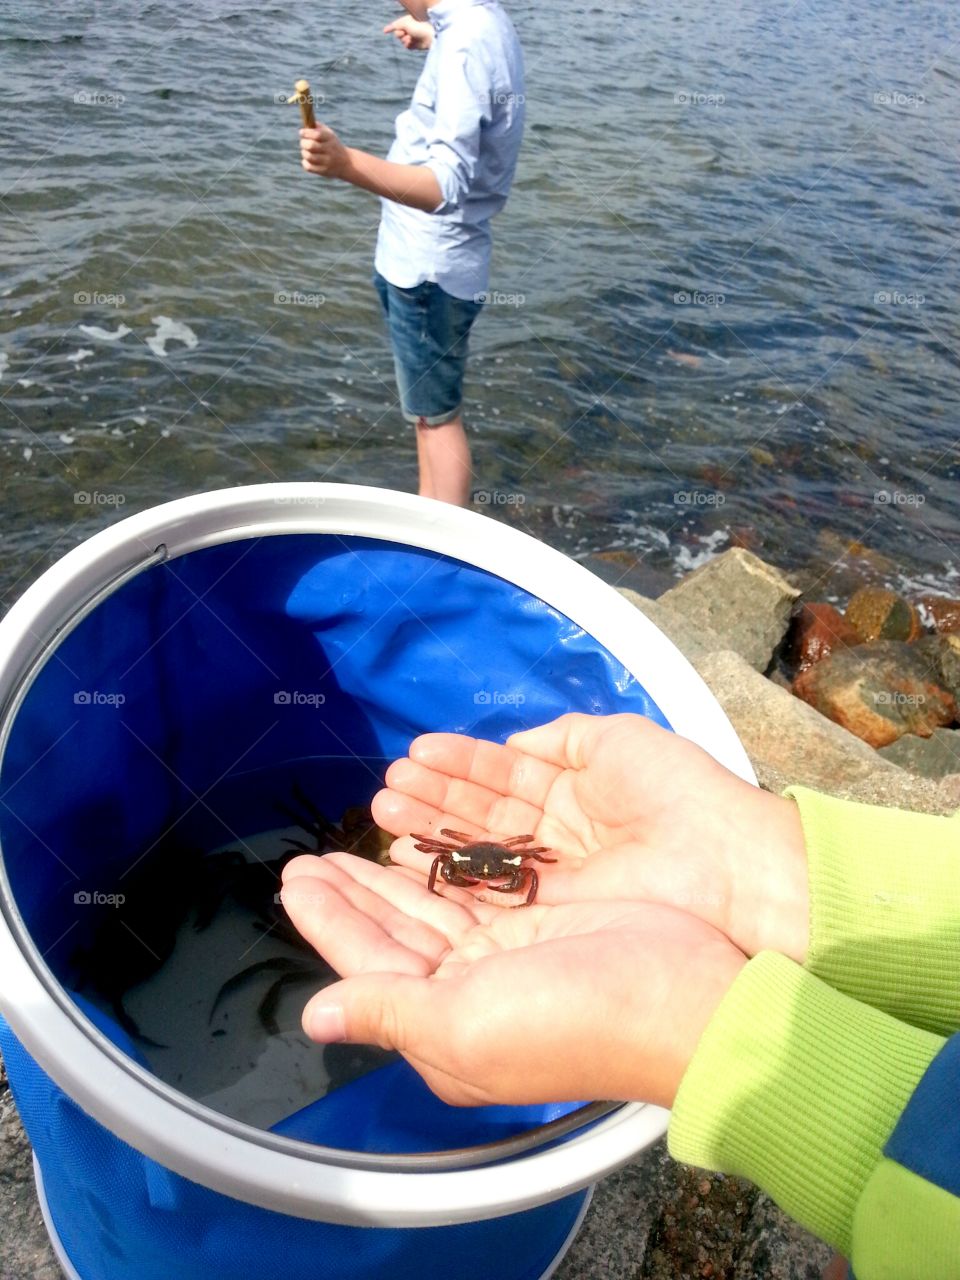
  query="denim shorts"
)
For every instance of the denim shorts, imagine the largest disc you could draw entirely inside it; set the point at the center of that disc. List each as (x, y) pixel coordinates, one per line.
(429, 332)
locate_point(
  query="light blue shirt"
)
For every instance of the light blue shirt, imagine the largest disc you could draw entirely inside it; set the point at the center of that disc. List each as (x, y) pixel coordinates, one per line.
(466, 123)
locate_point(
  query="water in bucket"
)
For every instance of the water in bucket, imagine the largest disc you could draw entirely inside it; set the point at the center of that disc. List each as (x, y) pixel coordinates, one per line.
(197, 960)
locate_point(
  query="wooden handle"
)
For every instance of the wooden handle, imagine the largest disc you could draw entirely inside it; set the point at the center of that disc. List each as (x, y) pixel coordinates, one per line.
(302, 95)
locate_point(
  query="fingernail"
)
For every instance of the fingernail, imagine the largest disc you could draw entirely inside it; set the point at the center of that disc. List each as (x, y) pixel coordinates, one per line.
(327, 1024)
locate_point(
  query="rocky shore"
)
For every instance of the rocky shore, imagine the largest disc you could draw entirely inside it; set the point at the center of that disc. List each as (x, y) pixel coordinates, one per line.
(861, 705)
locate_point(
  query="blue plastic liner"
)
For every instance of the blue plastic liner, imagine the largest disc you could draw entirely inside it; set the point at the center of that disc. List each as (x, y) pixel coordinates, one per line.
(195, 694)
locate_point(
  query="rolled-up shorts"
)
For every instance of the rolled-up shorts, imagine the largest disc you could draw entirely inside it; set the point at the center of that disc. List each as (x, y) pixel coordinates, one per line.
(429, 331)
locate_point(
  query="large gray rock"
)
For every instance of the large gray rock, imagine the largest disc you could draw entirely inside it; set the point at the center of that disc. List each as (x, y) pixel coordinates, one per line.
(734, 602)
(789, 742)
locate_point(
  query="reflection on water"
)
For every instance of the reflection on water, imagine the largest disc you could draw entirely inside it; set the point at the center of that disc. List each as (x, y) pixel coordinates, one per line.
(726, 279)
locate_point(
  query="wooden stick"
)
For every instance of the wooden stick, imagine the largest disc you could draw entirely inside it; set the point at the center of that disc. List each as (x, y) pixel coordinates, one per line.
(302, 96)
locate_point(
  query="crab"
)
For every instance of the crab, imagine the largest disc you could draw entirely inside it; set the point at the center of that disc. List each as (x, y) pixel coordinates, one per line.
(468, 861)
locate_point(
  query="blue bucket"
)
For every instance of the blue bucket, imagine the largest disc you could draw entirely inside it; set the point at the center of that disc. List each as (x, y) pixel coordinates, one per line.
(180, 668)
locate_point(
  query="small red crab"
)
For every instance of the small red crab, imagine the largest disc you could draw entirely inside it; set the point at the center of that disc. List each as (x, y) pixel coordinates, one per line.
(470, 861)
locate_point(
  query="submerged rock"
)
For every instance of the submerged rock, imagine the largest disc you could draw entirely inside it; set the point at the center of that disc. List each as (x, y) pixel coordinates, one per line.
(878, 614)
(816, 630)
(878, 691)
(942, 613)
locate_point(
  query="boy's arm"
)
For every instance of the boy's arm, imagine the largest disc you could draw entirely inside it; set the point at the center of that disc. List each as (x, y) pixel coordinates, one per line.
(415, 185)
(885, 907)
(846, 1117)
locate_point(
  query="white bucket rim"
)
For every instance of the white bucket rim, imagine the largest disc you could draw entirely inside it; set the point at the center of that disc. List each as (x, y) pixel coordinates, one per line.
(238, 1160)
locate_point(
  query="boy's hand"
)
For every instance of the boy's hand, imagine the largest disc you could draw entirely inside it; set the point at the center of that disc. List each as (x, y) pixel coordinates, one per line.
(493, 1005)
(322, 152)
(630, 810)
(411, 33)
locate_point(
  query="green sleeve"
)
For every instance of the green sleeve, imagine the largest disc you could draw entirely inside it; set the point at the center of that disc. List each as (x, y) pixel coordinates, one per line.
(885, 907)
(797, 1087)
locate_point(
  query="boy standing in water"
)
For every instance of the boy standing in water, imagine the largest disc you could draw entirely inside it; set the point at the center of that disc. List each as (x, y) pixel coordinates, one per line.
(446, 175)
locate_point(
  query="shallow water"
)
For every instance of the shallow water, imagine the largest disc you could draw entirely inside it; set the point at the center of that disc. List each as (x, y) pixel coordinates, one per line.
(728, 271)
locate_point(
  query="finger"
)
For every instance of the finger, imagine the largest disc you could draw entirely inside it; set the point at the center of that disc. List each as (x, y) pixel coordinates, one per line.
(449, 917)
(398, 905)
(350, 939)
(458, 801)
(564, 742)
(385, 1009)
(503, 770)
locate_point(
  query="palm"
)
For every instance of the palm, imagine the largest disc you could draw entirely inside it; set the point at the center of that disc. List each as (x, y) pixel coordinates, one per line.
(502, 994)
(630, 810)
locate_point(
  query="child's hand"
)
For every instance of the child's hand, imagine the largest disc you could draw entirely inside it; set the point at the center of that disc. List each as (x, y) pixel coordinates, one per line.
(492, 1005)
(322, 152)
(633, 812)
(411, 33)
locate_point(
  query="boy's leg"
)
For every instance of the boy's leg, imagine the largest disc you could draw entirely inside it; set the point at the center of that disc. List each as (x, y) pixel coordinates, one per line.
(429, 332)
(446, 470)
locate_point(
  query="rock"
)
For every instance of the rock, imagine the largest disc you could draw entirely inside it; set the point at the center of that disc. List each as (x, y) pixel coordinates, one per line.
(788, 742)
(878, 691)
(940, 613)
(815, 632)
(691, 643)
(878, 614)
(943, 654)
(733, 602)
(933, 757)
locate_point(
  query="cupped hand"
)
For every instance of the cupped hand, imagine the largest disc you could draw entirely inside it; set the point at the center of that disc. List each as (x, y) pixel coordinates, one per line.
(532, 1004)
(630, 810)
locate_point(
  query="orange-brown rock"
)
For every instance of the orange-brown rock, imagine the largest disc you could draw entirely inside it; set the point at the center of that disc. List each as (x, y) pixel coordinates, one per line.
(878, 614)
(944, 614)
(878, 691)
(816, 630)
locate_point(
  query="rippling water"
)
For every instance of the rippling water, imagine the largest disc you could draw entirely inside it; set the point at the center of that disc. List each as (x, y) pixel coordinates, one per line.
(728, 270)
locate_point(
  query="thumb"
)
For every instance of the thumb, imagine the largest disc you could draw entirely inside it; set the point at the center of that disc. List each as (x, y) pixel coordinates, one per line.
(394, 1011)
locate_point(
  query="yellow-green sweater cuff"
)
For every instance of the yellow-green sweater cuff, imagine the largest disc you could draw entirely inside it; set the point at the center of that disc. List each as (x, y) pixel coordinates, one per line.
(797, 1087)
(885, 906)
